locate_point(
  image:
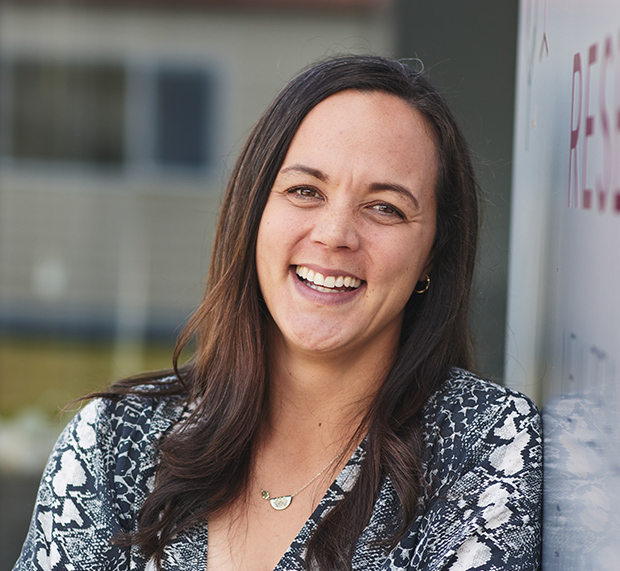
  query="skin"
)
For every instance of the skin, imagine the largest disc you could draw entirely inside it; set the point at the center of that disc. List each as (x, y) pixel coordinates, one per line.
(354, 198)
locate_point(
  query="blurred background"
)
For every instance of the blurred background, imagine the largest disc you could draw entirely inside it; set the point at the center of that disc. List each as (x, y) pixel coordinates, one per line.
(119, 121)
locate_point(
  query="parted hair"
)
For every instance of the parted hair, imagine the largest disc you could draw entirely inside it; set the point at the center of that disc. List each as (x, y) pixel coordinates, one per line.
(209, 461)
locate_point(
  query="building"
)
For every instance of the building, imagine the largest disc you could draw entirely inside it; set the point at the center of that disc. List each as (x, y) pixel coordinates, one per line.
(118, 124)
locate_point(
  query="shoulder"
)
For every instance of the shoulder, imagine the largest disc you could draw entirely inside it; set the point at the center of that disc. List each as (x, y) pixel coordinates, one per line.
(469, 419)
(98, 475)
(136, 417)
(482, 461)
(466, 399)
(110, 448)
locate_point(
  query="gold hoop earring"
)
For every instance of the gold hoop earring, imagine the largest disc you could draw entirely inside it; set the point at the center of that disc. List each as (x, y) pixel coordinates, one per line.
(428, 283)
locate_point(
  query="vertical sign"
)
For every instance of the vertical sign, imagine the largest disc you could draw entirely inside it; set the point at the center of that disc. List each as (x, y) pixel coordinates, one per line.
(563, 327)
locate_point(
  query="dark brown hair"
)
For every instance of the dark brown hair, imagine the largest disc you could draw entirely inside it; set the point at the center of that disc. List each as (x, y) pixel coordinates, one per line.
(209, 461)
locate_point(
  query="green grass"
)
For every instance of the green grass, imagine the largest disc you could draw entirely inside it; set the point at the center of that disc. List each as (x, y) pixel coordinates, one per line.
(47, 373)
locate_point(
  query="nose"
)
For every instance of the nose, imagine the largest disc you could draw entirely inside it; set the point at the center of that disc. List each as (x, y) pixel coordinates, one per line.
(336, 227)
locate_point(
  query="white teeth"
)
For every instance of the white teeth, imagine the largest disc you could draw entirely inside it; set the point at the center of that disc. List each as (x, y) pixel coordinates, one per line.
(326, 283)
(322, 289)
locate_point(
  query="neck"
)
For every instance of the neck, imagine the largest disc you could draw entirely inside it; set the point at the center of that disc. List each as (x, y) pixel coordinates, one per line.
(318, 401)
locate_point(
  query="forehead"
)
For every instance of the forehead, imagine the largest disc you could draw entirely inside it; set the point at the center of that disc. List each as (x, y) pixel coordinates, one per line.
(366, 129)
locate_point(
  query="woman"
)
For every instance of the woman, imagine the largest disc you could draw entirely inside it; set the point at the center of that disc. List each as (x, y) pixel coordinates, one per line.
(326, 420)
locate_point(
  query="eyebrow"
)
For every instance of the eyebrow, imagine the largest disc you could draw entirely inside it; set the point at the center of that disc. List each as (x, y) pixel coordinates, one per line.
(316, 173)
(374, 187)
(399, 188)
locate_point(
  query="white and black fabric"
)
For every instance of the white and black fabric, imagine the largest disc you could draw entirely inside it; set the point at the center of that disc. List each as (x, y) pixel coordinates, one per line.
(483, 460)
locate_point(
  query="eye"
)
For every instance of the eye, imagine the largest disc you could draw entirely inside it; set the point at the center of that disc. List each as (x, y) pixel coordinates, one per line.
(387, 210)
(304, 193)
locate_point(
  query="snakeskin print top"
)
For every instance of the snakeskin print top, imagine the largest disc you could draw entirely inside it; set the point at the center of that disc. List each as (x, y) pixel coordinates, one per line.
(483, 459)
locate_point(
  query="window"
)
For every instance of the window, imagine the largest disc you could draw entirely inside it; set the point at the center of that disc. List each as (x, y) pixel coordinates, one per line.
(182, 102)
(60, 112)
(67, 112)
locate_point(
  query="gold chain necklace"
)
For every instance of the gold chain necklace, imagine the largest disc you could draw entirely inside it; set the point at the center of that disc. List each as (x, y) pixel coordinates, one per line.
(282, 502)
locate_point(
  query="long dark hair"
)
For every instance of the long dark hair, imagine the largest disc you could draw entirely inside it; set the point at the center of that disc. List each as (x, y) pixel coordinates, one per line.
(207, 463)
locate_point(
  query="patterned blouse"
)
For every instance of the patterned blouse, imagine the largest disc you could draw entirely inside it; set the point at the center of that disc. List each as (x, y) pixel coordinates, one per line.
(483, 458)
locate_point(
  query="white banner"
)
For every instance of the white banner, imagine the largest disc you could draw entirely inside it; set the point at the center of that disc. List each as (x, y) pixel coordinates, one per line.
(563, 328)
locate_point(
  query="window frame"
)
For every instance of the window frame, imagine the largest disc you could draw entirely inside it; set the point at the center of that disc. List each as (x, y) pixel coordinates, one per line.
(139, 120)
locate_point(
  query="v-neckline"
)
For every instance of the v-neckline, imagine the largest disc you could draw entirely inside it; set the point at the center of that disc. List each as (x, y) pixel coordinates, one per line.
(293, 558)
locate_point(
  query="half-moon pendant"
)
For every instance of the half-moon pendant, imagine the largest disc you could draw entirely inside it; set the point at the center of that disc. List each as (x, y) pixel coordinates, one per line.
(281, 502)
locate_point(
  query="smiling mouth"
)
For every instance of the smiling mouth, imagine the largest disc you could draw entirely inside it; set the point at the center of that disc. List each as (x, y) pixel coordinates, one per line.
(327, 284)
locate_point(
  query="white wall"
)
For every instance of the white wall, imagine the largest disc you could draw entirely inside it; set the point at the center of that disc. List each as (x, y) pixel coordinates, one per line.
(563, 333)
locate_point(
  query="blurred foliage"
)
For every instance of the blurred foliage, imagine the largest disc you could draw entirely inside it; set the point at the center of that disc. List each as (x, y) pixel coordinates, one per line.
(48, 373)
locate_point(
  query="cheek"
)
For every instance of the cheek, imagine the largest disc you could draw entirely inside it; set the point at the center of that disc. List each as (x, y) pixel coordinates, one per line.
(263, 258)
(274, 246)
(267, 228)
(280, 229)
(271, 243)
(408, 261)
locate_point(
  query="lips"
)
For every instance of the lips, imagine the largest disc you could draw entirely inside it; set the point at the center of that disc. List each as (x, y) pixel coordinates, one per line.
(327, 284)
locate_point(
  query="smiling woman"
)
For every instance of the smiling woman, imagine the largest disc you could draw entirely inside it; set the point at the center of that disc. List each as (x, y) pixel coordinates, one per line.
(326, 420)
(355, 198)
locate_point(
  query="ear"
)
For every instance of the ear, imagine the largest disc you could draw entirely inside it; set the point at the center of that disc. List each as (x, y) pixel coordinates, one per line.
(430, 262)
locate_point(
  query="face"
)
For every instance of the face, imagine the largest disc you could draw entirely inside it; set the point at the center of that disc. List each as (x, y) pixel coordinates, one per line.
(349, 225)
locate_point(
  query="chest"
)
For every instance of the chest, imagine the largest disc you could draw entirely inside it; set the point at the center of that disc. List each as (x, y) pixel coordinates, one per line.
(252, 535)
